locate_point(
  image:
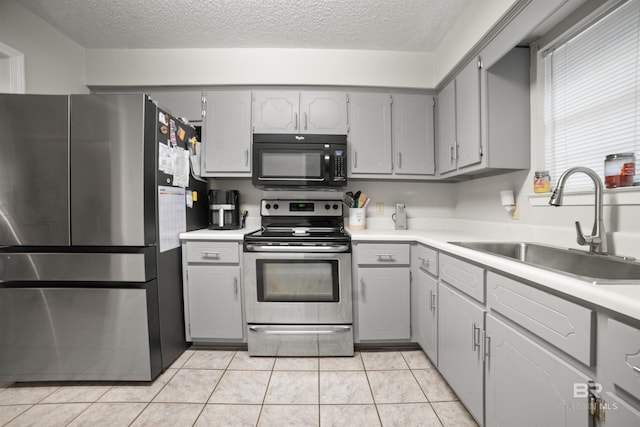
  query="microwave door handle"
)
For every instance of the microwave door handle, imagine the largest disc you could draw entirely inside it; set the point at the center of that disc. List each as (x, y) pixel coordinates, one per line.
(295, 121)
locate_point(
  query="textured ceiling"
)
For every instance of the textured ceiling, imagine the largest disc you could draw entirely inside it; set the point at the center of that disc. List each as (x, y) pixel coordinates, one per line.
(398, 25)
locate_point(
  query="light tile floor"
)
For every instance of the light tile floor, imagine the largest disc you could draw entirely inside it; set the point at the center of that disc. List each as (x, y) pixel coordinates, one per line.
(229, 388)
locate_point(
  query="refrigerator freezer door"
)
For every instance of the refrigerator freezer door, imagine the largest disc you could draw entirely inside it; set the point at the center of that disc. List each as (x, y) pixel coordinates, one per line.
(139, 266)
(52, 334)
(34, 170)
(112, 174)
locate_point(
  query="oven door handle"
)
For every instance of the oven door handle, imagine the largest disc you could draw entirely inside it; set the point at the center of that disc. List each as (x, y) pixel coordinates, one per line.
(323, 330)
(296, 248)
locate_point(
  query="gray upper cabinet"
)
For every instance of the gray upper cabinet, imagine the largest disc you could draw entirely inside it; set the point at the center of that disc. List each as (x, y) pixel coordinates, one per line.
(369, 133)
(483, 118)
(300, 112)
(413, 134)
(187, 104)
(391, 135)
(227, 134)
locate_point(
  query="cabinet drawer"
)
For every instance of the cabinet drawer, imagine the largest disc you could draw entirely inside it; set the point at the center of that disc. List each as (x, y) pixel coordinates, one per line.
(623, 349)
(213, 252)
(560, 322)
(466, 277)
(383, 253)
(427, 259)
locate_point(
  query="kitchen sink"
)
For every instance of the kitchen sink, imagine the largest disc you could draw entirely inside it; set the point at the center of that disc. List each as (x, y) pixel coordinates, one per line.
(595, 268)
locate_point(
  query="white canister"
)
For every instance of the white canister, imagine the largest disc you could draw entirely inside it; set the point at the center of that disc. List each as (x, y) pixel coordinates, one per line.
(357, 218)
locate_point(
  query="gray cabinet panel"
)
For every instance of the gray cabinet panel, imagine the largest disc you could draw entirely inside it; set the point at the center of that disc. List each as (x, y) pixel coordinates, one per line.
(276, 112)
(413, 134)
(623, 356)
(215, 307)
(427, 259)
(383, 254)
(528, 386)
(426, 316)
(227, 133)
(323, 112)
(384, 303)
(562, 323)
(460, 322)
(370, 133)
(213, 252)
(446, 116)
(468, 115)
(466, 277)
(619, 413)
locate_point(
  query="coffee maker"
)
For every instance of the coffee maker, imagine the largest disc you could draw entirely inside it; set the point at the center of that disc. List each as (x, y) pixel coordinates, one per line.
(224, 210)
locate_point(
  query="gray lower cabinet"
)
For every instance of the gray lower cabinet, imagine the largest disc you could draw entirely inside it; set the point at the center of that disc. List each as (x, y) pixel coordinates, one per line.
(382, 291)
(460, 347)
(212, 291)
(424, 300)
(526, 385)
(215, 309)
(383, 303)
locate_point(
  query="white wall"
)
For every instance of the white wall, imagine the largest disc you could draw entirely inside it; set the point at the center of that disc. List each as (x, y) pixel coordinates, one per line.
(206, 67)
(423, 200)
(53, 63)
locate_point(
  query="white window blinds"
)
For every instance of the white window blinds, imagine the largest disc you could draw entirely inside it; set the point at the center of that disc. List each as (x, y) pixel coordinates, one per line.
(592, 102)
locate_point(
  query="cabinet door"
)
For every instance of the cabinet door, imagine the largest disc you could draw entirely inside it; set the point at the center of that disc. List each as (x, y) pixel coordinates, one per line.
(468, 115)
(426, 293)
(384, 303)
(460, 360)
(528, 386)
(370, 133)
(276, 112)
(446, 115)
(413, 138)
(227, 133)
(180, 104)
(323, 113)
(214, 306)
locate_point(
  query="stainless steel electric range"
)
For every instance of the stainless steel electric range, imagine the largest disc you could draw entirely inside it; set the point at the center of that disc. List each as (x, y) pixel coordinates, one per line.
(297, 277)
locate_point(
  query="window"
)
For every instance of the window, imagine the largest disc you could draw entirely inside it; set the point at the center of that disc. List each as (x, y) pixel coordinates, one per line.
(592, 94)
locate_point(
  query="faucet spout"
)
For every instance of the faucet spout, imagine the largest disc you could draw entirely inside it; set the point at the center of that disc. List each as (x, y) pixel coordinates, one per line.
(597, 241)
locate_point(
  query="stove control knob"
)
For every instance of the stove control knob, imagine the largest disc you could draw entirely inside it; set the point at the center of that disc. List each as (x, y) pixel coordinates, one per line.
(327, 206)
(335, 207)
(275, 206)
(267, 206)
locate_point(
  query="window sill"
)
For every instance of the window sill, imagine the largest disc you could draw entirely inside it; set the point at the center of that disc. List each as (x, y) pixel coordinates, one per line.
(627, 196)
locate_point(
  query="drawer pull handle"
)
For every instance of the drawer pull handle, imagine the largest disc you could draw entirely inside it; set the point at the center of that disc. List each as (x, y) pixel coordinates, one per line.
(475, 337)
(424, 261)
(388, 256)
(211, 253)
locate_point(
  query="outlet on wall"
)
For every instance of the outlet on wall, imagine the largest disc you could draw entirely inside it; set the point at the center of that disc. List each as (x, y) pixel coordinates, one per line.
(380, 208)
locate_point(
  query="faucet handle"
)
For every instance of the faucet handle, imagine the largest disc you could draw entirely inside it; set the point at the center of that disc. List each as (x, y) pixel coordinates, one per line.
(581, 238)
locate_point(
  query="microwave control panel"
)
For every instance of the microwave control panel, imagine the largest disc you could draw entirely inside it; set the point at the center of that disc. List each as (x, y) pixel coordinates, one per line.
(339, 170)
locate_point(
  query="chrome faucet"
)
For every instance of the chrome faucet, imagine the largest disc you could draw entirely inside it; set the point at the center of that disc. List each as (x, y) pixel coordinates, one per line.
(597, 241)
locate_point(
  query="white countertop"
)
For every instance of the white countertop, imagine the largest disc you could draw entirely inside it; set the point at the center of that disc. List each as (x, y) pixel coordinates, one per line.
(624, 299)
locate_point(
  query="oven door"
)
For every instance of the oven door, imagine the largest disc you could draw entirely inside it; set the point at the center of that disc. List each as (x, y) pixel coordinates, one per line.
(297, 288)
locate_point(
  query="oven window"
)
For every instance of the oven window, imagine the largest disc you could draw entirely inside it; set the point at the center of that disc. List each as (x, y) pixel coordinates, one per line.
(303, 164)
(297, 280)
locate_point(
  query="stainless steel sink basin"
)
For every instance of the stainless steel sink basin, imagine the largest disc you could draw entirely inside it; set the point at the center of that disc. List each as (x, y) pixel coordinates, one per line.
(598, 269)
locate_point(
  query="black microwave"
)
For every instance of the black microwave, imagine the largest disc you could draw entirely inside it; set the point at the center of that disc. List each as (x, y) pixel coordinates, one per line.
(302, 161)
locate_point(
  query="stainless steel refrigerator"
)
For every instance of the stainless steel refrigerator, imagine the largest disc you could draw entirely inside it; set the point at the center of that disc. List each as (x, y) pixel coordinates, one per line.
(90, 209)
